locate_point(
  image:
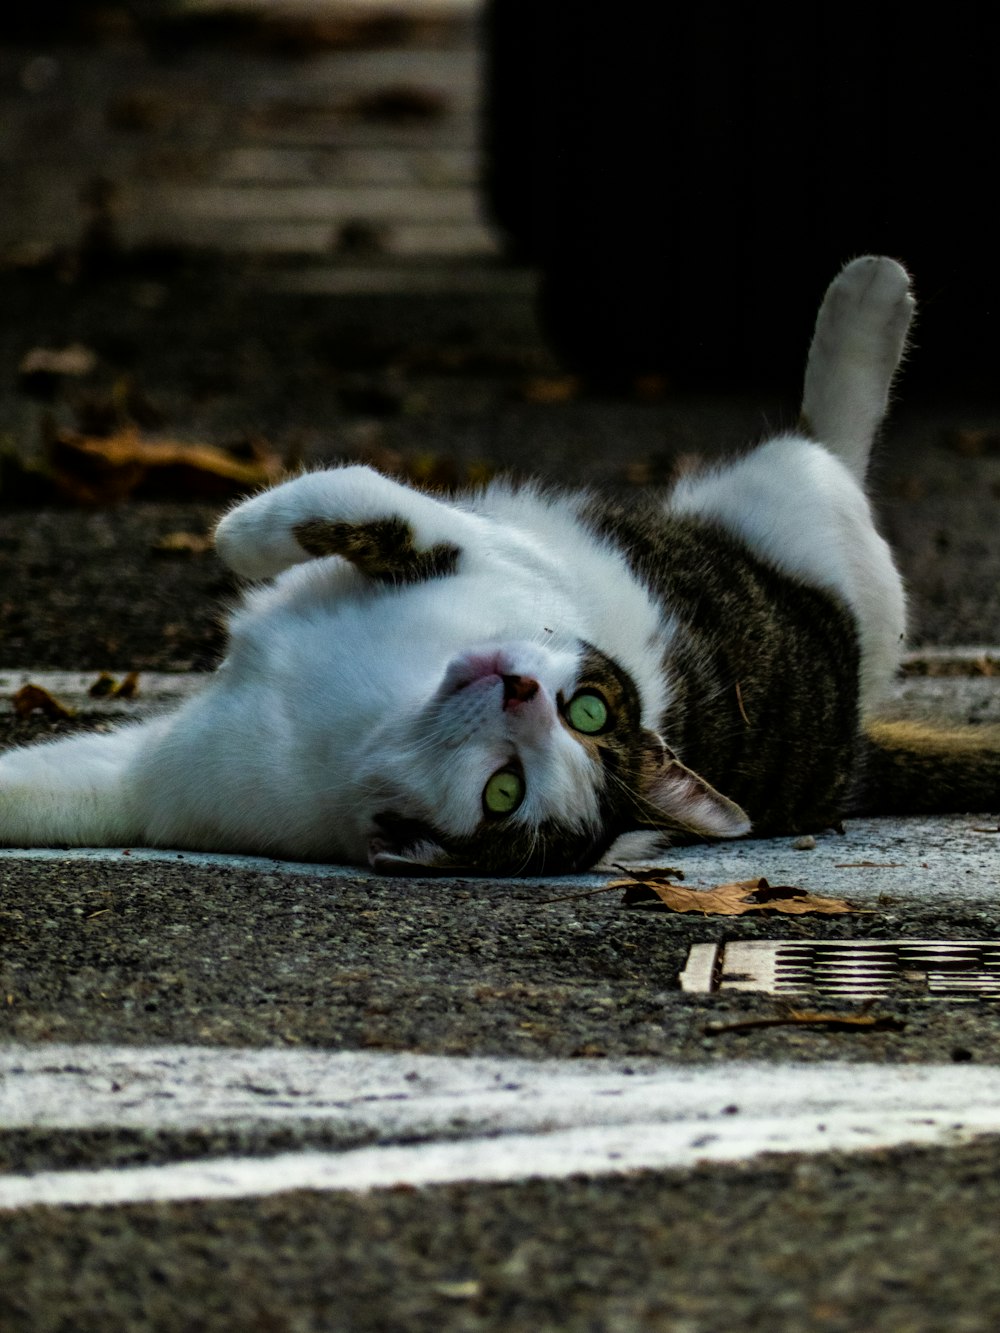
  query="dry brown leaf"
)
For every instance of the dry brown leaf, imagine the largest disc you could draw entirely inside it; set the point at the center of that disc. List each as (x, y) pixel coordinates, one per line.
(835, 1022)
(551, 389)
(74, 360)
(183, 543)
(973, 442)
(107, 687)
(986, 665)
(98, 469)
(735, 899)
(34, 699)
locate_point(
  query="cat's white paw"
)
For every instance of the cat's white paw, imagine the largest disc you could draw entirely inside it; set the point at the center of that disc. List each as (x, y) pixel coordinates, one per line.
(868, 308)
(260, 537)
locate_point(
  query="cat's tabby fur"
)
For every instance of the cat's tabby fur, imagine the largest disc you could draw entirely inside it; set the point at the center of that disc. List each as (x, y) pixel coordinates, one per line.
(509, 681)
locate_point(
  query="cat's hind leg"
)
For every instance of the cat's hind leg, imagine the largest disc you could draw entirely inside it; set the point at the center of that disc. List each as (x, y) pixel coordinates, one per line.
(388, 531)
(857, 346)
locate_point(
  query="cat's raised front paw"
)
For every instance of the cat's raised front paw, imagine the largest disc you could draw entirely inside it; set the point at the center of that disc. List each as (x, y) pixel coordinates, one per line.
(382, 548)
(387, 530)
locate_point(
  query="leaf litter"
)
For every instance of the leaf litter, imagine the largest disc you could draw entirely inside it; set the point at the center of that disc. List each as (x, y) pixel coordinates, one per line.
(806, 1018)
(32, 698)
(734, 899)
(107, 687)
(36, 699)
(107, 468)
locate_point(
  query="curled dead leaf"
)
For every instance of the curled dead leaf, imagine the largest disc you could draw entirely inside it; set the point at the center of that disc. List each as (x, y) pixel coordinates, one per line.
(973, 442)
(107, 687)
(102, 469)
(551, 389)
(735, 899)
(183, 543)
(805, 1018)
(34, 699)
(74, 360)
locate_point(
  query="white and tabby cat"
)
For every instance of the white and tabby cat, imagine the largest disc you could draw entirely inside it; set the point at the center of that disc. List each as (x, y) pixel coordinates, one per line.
(508, 681)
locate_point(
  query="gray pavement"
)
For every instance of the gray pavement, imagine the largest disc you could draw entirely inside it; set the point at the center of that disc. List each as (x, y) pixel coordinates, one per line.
(901, 1240)
(122, 971)
(128, 951)
(213, 956)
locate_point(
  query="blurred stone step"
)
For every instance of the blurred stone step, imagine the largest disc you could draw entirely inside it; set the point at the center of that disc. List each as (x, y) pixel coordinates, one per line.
(243, 149)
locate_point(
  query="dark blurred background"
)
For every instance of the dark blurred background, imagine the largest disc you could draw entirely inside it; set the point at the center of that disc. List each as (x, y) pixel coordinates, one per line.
(682, 180)
(451, 237)
(687, 177)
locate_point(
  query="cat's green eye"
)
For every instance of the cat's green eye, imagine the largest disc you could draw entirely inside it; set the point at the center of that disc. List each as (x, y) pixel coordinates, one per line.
(504, 792)
(587, 712)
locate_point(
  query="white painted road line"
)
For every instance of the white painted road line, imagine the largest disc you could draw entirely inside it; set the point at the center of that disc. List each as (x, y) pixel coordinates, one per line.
(593, 1151)
(480, 1119)
(87, 1086)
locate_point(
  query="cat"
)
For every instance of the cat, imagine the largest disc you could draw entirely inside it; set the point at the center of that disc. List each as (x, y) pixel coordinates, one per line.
(519, 681)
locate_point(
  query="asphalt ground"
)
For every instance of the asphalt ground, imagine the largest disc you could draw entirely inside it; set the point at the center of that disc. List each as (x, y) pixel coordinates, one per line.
(153, 953)
(451, 387)
(895, 1240)
(129, 951)
(438, 370)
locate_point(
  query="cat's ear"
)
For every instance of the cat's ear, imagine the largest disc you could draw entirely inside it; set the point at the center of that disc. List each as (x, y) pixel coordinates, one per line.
(673, 794)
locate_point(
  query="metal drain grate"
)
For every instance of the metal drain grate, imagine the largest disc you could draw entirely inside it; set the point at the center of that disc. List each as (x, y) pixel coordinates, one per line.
(851, 969)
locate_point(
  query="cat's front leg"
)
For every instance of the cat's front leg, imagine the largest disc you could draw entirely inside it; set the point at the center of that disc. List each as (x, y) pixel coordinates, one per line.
(75, 790)
(384, 549)
(389, 532)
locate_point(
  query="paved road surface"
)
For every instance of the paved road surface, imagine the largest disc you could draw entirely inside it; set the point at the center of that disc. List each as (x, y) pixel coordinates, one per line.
(228, 984)
(202, 1029)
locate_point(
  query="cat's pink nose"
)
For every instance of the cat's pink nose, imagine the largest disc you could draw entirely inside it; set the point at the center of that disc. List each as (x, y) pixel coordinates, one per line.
(518, 689)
